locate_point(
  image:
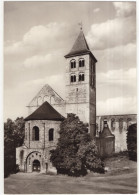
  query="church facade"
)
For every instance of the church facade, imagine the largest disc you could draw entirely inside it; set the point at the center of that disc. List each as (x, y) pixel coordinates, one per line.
(47, 109)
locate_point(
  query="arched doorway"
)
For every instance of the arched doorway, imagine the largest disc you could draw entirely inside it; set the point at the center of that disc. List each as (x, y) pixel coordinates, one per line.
(36, 166)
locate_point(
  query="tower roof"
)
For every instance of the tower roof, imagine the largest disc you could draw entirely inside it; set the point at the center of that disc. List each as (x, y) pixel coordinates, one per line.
(45, 112)
(80, 47)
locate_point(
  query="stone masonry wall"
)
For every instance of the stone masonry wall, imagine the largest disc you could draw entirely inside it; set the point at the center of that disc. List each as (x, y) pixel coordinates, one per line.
(118, 125)
(77, 93)
(49, 95)
(44, 126)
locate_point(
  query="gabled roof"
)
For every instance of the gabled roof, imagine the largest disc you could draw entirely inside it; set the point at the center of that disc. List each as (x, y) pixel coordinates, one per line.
(80, 47)
(48, 91)
(45, 112)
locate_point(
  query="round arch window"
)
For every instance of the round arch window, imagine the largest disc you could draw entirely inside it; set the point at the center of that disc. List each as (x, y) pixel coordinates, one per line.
(35, 133)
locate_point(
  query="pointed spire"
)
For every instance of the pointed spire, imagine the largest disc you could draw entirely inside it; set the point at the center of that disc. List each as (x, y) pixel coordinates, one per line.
(80, 47)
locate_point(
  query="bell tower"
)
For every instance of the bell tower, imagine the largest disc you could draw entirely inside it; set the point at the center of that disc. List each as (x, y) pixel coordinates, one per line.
(81, 83)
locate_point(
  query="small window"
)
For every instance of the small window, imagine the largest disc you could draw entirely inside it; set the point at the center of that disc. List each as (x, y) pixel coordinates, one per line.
(81, 62)
(35, 133)
(73, 78)
(40, 101)
(81, 77)
(73, 64)
(51, 134)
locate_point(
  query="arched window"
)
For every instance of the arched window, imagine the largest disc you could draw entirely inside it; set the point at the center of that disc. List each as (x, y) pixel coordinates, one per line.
(73, 78)
(81, 77)
(39, 101)
(112, 124)
(46, 98)
(81, 62)
(35, 133)
(73, 63)
(51, 134)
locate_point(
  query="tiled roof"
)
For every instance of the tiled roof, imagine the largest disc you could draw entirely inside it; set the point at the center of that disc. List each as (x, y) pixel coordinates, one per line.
(80, 47)
(45, 112)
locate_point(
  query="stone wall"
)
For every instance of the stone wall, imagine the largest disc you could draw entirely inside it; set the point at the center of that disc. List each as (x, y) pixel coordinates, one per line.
(37, 150)
(44, 126)
(49, 95)
(31, 154)
(118, 125)
(81, 96)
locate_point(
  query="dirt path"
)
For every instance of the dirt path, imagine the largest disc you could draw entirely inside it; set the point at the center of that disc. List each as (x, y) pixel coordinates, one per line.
(37, 183)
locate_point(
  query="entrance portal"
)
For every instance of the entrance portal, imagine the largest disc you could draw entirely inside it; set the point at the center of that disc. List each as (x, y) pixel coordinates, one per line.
(36, 166)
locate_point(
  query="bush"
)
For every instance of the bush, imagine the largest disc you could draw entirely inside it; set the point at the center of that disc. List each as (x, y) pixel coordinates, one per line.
(132, 142)
(76, 152)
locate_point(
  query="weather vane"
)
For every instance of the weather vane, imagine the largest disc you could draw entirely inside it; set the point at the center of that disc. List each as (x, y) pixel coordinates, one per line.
(80, 24)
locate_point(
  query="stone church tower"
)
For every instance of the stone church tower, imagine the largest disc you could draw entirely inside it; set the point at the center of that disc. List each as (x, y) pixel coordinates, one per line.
(81, 83)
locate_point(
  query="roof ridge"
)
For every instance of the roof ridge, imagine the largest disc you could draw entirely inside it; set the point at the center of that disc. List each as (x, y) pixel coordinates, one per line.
(45, 112)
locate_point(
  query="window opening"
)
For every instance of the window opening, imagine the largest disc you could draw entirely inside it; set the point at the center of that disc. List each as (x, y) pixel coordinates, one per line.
(81, 77)
(35, 133)
(51, 134)
(81, 62)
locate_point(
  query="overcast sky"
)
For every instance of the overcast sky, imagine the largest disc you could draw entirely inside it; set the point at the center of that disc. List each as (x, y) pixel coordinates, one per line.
(37, 35)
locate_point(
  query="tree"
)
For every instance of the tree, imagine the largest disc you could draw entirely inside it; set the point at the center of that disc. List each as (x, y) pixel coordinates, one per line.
(13, 137)
(76, 152)
(132, 142)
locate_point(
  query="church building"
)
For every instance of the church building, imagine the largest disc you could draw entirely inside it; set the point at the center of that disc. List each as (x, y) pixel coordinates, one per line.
(47, 109)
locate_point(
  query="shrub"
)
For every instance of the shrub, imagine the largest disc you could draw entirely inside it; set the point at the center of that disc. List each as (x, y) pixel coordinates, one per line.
(132, 142)
(76, 152)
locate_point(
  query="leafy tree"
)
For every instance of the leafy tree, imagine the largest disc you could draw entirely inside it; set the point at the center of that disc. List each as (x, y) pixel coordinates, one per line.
(132, 142)
(76, 152)
(13, 137)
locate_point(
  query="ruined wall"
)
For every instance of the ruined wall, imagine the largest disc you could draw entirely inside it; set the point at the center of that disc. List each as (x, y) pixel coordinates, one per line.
(118, 125)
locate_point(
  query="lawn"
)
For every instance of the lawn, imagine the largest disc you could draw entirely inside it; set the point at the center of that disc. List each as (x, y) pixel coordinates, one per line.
(121, 177)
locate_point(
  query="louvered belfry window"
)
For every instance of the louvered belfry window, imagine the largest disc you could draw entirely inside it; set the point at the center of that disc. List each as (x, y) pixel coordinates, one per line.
(81, 77)
(81, 62)
(73, 78)
(73, 63)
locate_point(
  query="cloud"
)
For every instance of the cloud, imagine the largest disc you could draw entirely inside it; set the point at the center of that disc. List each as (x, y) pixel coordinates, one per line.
(120, 77)
(118, 105)
(125, 9)
(37, 60)
(96, 10)
(112, 33)
(120, 30)
(119, 57)
(55, 81)
(39, 38)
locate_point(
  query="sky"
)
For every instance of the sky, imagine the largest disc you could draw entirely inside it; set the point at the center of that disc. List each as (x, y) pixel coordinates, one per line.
(37, 35)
